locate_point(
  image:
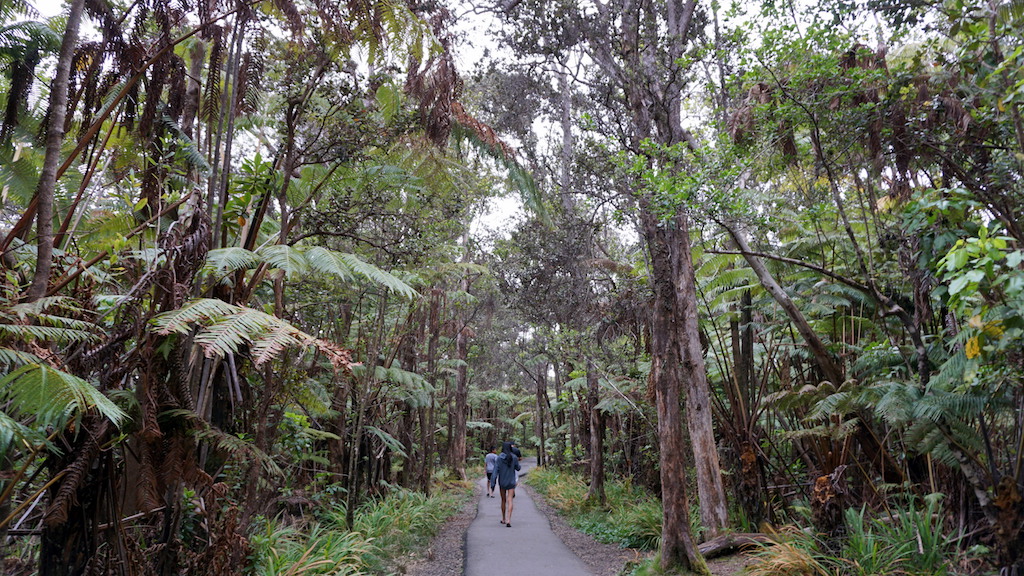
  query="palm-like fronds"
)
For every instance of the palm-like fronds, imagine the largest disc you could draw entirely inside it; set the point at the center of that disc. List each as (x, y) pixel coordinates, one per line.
(35, 390)
(387, 439)
(298, 261)
(53, 397)
(227, 260)
(225, 328)
(229, 443)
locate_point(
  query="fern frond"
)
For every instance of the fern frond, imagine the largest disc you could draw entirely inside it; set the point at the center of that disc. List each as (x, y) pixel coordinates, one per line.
(375, 274)
(284, 257)
(11, 358)
(495, 396)
(325, 261)
(237, 447)
(224, 328)
(1011, 12)
(195, 311)
(273, 342)
(53, 397)
(731, 278)
(26, 332)
(387, 439)
(312, 396)
(228, 260)
(12, 432)
(413, 388)
(951, 372)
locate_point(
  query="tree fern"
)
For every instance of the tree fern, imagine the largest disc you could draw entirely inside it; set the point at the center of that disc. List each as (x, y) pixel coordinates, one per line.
(413, 388)
(387, 439)
(54, 397)
(298, 261)
(227, 260)
(239, 448)
(225, 328)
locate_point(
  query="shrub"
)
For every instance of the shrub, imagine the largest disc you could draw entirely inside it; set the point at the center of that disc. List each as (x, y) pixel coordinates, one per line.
(630, 518)
(383, 529)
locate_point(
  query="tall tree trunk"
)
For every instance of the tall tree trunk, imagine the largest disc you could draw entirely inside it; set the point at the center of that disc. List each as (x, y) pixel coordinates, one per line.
(596, 437)
(558, 419)
(667, 378)
(541, 397)
(460, 403)
(714, 510)
(428, 416)
(408, 434)
(652, 96)
(749, 484)
(55, 117)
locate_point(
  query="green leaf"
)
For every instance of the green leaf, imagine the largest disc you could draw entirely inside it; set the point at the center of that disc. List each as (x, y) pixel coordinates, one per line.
(388, 440)
(958, 284)
(53, 396)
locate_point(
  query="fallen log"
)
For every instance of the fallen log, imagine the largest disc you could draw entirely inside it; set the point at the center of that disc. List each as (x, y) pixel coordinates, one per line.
(731, 542)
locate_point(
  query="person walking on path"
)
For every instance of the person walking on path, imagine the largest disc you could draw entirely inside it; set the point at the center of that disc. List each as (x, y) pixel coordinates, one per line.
(505, 477)
(489, 461)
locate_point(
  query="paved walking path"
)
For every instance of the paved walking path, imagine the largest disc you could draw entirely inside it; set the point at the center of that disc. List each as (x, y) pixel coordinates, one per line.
(528, 548)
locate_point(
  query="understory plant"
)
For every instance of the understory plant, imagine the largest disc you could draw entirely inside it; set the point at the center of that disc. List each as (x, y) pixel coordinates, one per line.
(383, 530)
(630, 518)
(906, 540)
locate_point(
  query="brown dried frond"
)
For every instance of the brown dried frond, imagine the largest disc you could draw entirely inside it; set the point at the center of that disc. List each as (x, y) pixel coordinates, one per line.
(101, 11)
(176, 87)
(22, 74)
(333, 21)
(148, 403)
(952, 111)
(293, 18)
(212, 89)
(899, 139)
(860, 56)
(340, 358)
(75, 474)
(436, 85)
(154, 93)
(740, 124)
(485, 133)
(250, 77)
(178, 459)
(228, 547)
(147, 495)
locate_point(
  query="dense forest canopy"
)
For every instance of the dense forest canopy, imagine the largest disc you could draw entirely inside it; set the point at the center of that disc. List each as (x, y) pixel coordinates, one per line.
(769, 269)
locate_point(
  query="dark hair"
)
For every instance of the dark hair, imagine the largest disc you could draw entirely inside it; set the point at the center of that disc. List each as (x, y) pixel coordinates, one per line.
(506, 448)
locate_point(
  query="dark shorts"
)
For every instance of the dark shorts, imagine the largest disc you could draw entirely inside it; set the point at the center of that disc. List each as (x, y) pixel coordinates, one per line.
(489, 474)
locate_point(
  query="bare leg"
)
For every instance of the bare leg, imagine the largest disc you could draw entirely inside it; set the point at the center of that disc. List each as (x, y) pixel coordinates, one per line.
(503, 493)
(511, 500)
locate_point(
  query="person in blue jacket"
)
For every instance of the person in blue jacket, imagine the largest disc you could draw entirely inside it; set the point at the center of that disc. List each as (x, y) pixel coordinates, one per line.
(505, 477)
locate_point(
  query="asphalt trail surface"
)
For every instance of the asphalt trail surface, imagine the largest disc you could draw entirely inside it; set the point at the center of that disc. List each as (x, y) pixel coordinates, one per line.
(528, 548)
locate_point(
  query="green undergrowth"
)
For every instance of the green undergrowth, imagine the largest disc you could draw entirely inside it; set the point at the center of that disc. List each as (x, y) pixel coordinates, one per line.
(631, 516)
(908, 539)
(385, 532)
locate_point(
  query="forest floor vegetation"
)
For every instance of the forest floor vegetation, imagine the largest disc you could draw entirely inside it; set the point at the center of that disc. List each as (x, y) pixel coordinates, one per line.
(385, 536)
(630, 520)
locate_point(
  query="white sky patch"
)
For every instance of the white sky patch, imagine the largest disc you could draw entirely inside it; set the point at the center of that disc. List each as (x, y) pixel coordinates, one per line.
(499, 216)
(49, 8)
